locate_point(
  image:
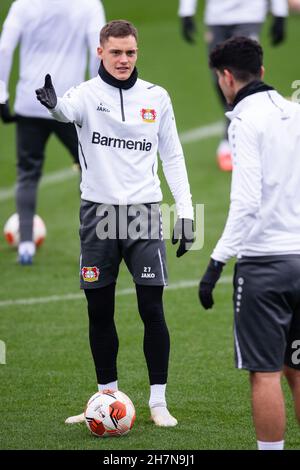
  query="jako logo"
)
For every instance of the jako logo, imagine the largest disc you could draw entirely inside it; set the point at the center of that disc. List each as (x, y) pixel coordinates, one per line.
(142, 145)
(103, 108)
(148, 275)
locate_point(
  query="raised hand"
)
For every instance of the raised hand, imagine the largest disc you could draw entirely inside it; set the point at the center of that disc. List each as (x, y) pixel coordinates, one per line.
(47, 95)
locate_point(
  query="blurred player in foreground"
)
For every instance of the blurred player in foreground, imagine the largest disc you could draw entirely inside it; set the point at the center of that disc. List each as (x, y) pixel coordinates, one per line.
(122, 122)
(294, 5)
(263, 231)
(229, 18)
(54, 36)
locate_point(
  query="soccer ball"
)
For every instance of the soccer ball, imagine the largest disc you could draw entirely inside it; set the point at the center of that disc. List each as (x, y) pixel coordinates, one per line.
(12, 234)
(109, 414)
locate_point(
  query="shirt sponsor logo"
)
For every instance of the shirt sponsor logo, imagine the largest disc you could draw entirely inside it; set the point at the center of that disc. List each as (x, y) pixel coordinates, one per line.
(141, 145)
(90, 273)
(148, 115)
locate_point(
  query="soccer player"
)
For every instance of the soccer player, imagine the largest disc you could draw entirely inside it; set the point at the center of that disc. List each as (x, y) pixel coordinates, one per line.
(263, 231)
(54, 36)
(229, 18)
(122, 122)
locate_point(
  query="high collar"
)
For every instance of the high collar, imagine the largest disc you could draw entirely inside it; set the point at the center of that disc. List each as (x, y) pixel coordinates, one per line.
(123, 84)
(256, 86)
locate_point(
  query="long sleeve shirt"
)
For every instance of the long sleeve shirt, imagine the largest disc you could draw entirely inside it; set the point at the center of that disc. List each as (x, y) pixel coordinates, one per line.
(264, 214)
(120, 133)
(229, 12)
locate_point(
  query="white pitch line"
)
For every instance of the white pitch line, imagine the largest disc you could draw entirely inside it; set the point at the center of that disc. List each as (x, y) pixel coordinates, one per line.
(201, 133)
(80, 296)
(47, 180)
(193, 135)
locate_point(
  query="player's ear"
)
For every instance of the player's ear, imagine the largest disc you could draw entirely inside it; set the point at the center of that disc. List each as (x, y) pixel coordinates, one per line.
(228, 76)
(262, 72)
(99, 52)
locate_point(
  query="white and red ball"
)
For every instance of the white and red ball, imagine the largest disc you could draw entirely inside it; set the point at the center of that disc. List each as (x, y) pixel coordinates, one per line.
(12, 233)
(109, 414)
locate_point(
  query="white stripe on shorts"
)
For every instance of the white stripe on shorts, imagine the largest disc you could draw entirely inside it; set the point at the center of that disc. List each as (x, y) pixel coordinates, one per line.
(161, 266)
(238, 351)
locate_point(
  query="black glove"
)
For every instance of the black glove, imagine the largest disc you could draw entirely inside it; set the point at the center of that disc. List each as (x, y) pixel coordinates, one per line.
(47, 95)
(277, 31)
(188, 28)
(208, 282)
(183, 231)
(5, 113)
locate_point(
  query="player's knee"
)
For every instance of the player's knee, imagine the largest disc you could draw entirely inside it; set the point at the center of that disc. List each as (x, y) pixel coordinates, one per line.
(264, 378)
(293, 377)
(29, 160)
(28, 179)
(152, 314)
(100, 305)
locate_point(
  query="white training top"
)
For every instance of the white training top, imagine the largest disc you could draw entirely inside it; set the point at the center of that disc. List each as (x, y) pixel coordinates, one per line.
(120, 133)
(228, 12)
(54, 36)
(264, 215)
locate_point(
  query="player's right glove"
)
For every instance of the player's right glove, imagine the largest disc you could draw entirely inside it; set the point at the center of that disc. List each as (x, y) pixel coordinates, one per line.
(208, 282)
(47, 95)
(5, 113)
(188, 28)
(277, 31)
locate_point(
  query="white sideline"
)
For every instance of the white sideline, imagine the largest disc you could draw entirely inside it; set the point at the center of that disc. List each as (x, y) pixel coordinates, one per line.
(193, 135)
(79, 295)
(47, 180)
(203, 132)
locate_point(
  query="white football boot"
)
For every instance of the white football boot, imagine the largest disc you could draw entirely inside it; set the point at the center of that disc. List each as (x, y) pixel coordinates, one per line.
(75, 419)
(161, 416)
(26, 252)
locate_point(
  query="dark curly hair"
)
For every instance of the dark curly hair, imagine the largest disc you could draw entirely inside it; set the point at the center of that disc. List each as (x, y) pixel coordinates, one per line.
(242, 56)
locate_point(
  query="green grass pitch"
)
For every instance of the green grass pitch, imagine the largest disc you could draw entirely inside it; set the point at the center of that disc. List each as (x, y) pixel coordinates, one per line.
(49, 373)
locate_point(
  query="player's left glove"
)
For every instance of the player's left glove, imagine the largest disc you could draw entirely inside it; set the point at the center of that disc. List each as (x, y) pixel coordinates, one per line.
(183, 231)
(5, 113)
(188, 28)
(208, 282)
(277, 31)
(47, 95)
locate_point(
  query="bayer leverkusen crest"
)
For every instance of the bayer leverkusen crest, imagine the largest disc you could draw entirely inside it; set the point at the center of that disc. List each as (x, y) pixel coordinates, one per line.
(148, 115)
(90, 274)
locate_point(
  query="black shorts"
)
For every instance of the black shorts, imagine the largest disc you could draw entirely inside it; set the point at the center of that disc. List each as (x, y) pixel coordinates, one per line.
(267, 313)
(111, 233)
(219, 33)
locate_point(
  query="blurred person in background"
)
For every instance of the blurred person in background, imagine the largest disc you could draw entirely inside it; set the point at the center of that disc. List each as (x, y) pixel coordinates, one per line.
(55, 36)
(228, 18)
